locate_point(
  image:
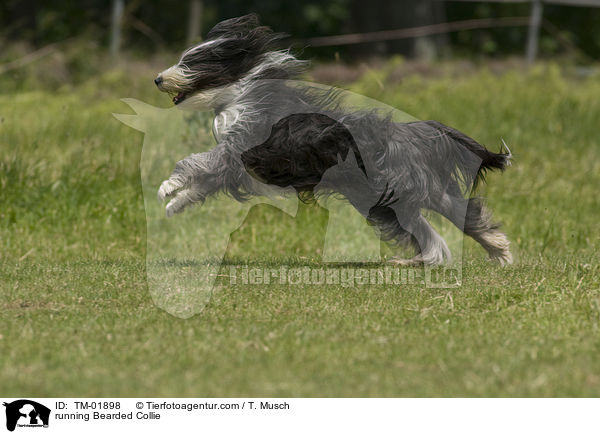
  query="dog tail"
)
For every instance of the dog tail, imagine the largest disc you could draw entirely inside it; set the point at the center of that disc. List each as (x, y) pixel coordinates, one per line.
(492, 160)
(489, 160)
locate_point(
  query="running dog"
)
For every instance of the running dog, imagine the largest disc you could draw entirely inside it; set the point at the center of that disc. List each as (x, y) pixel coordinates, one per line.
(272, 132)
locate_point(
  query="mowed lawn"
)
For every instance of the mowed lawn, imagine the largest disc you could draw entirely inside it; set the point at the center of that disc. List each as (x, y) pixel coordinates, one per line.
(77, 319)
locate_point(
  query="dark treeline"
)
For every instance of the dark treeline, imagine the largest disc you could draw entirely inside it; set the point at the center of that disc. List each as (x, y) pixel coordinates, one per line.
(152, 24)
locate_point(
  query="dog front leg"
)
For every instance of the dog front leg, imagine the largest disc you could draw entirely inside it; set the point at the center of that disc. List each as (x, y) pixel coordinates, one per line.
(193, 180)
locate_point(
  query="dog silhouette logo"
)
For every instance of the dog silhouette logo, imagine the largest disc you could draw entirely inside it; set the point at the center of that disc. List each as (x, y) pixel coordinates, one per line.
(26, 413)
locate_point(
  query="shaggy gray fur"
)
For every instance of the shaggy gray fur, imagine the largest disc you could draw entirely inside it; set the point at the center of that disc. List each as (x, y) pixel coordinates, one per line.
(406, 167)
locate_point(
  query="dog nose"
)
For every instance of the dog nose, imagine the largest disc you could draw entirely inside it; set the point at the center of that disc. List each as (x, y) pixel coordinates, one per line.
(158, 80)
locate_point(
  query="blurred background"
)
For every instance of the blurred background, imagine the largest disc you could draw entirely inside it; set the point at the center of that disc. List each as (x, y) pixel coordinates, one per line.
(70, 39)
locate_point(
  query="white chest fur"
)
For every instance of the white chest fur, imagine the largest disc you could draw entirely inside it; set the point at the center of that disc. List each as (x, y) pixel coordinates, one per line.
(225, 120)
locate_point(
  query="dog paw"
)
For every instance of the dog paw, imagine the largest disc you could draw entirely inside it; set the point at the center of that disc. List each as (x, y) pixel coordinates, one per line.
(176, 205)
(167, 188)
(505, 258)
(403, 262)
(420, 259)
(183, 198)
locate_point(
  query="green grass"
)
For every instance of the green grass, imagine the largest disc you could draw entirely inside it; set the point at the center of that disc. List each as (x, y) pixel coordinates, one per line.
(77, 318)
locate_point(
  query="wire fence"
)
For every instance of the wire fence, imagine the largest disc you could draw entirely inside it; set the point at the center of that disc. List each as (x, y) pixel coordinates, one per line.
(121, 15)
(534, 22)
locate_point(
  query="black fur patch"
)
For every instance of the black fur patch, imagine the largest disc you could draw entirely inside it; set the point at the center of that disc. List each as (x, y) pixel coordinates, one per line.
(299, 150)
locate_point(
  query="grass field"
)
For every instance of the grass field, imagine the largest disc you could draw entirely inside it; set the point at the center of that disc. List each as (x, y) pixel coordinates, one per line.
(76, 317)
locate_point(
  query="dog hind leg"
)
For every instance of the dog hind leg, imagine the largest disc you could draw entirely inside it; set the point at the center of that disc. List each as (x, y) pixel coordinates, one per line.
(430, 246)
(433, 248)
(474, 219)
(479, 225)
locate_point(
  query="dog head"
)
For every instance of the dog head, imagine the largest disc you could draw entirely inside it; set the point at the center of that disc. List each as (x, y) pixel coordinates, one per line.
(234, 50)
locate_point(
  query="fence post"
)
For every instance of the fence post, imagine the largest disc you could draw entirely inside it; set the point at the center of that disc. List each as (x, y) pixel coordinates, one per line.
(194, 21)
(535, 20)
(116, 23)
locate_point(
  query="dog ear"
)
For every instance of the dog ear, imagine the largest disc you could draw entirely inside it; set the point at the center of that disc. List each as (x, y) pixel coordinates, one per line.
(232, 26)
